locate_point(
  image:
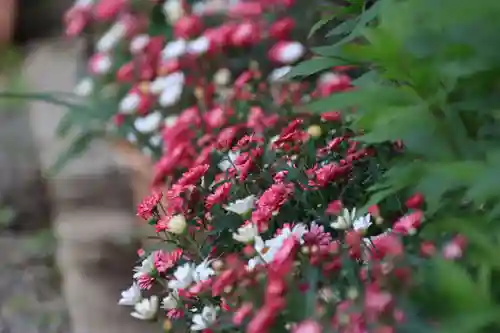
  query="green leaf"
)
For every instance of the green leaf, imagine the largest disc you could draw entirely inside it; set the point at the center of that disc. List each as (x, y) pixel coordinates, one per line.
(313, 66)
(459, 293)
(75, 149)
(312, 275)
(368, 97)
(320, 24)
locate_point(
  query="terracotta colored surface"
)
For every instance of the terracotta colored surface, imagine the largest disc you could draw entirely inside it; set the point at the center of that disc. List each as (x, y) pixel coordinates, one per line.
(7, 19)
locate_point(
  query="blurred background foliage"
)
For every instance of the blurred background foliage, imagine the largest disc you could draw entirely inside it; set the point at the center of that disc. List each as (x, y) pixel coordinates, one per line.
(431, 79)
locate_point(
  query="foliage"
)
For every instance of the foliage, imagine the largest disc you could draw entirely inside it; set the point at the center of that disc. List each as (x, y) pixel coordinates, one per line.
(433, 85)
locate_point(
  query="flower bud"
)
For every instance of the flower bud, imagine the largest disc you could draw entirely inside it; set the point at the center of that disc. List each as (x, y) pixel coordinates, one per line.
(177, 224)
(315, 131)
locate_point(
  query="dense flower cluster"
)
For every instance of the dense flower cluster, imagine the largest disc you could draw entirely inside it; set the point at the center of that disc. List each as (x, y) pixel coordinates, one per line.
(260, 207)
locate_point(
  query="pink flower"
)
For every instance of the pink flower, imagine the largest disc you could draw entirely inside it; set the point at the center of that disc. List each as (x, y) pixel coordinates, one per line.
(244, 311)
(219, 196)
(217, 117)
(376, 300)
(335, 207)
(259, 121)
(193, 175)
(166, 260)
(408, 224)
(317, 236)
(455, 248)
(99, 64)
(104, 10)
(246, 9)
(188, 27)
(308, 326)
(149, 205)
(145, 281)
(245, 35)
(226, 137)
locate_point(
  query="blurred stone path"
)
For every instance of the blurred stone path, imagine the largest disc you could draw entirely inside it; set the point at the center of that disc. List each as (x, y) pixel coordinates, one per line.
(94, 219)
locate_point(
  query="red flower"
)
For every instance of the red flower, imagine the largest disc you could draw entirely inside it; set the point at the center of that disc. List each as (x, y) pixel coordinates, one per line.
(333, 116)
(336, 83)
(219, 196)
(148, 205)
(415, 201)
(245, 35)
(244, 311)
(226, 137)
(188, 27)
(246, 9)
(265, 317)
(274, 197)
(282, 29)
(193, 175)
(259, 121)
(335, 207)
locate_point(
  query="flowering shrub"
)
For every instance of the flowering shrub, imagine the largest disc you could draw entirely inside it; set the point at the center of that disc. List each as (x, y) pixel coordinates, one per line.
(155, 59)
(273, 214)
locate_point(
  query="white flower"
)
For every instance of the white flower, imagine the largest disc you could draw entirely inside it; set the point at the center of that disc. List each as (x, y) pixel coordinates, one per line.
(199, 46)
(173, 10)
(177, 224)
(362, 223)
(174, 49)
(170, 95)
(131, 296)
(183, 277)
(345, 220)
(83, 3)
(292, 52)
(165, 82)
(171, 121)
(85, 87)
(111, 38)
(222, 77)
(328, 77)
(171, 301)
(203, 271)
(146, 309)
(242, 206)
(205, 319)
(266, 251)
(129, 103)
(102, 64)
(147, 266)
(131, 138)
(149, 123)
(139, 43)
(298, 231)
(228, 161)
(155, 140)
(279, 73)
(246, 233)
